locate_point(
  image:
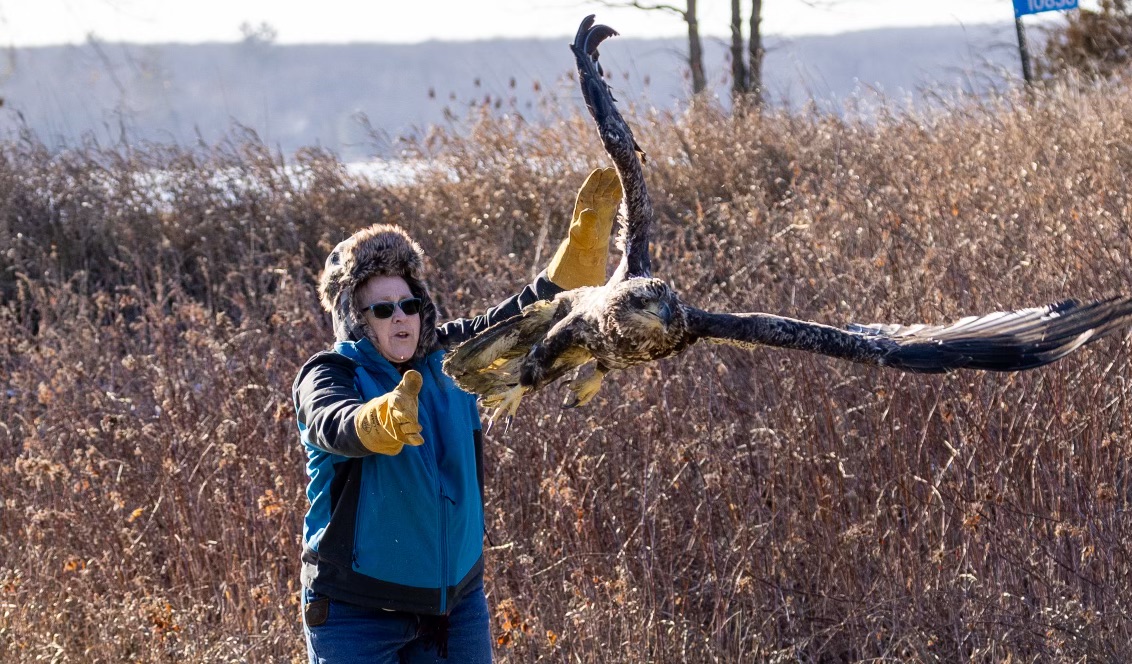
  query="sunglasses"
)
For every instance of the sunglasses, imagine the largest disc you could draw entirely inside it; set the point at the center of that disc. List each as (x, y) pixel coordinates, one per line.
(383, 310)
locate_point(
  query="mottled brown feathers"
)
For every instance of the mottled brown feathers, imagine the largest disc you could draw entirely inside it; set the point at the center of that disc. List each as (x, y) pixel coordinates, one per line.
(635, 318)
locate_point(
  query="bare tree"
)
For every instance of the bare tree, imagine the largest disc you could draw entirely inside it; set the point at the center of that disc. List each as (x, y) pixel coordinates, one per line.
(746, 79)
(263, 34)
(695, 45)
(755, 48)
(695, 49)
(738, 66)
(753, 84)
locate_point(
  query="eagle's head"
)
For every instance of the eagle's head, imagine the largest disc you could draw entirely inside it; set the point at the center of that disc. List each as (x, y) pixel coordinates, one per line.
(647, 312)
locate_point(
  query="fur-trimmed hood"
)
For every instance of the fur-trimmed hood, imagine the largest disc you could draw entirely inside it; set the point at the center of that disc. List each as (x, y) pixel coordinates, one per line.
(379, 250)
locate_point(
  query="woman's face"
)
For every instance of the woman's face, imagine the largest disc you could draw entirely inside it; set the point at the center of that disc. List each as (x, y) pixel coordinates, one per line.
(395, 337)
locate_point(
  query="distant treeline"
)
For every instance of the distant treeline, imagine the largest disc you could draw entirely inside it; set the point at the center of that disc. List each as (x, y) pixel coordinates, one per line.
(357, 100)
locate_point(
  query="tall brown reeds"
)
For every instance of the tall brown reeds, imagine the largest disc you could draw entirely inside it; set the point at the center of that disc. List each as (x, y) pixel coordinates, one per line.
(722, 506)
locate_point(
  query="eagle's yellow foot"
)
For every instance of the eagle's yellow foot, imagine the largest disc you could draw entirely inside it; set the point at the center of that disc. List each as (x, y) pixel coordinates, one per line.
(584, 389)
(507, 402)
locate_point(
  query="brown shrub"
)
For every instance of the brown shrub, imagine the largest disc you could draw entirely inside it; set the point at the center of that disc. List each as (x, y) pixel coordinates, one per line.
(1095, 43)
(718, 506)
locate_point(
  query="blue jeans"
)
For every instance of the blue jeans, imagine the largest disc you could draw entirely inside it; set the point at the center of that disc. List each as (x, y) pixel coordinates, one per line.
(354, 634)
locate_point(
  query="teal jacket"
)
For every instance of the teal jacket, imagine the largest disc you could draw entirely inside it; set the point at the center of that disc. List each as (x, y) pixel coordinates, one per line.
(402, 532)
(421, 525)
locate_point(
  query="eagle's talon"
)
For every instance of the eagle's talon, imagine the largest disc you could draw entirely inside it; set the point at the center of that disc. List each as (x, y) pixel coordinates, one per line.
(508, 404)
(584, 389)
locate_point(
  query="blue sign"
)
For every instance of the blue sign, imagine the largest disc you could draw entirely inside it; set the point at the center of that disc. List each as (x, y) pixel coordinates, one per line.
(1023, 7)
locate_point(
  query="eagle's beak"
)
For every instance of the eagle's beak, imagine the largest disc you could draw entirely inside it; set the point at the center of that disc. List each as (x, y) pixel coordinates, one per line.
(662, 312)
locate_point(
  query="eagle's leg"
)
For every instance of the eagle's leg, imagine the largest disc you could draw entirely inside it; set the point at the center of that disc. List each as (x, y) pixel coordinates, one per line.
(585, 389)
(535, 372)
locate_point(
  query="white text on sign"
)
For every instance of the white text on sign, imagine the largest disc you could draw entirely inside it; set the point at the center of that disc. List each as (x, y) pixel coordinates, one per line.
(1023, 7)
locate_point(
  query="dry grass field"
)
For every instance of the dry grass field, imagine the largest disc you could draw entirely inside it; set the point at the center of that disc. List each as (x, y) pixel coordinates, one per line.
(722, 506)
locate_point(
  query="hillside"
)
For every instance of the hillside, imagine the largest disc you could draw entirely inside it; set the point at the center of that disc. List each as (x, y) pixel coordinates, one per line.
(295, 96)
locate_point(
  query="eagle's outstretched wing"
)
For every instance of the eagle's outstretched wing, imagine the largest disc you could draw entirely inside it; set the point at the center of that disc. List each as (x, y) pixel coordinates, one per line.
(1001, 341)
(617, 138)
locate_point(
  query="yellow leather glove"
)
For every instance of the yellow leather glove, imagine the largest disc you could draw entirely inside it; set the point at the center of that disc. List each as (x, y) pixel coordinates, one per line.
(389, 422)
(581, 258)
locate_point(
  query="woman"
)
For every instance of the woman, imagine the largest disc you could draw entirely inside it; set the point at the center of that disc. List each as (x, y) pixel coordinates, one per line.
(393, 540)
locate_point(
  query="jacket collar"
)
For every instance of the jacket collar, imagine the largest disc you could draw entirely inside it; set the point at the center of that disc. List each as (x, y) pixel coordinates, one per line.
(366, 354)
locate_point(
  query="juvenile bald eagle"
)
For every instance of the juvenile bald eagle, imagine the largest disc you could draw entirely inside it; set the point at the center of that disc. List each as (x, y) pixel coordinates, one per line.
(635, 318)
